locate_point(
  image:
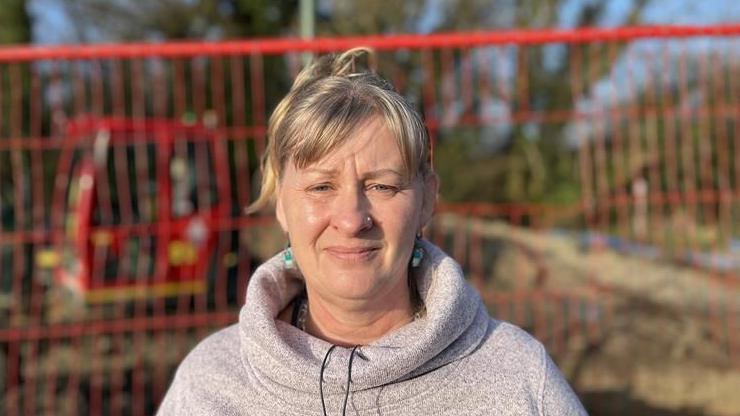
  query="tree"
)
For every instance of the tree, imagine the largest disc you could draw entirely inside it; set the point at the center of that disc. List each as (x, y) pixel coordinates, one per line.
(15, 23)
(129, 20)
(15, 28)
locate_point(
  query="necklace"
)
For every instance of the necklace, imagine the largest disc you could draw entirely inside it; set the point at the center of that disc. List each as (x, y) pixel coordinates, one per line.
(301, 314)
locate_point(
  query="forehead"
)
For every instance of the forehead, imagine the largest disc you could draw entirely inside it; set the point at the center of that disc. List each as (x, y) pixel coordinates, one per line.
(371, 146)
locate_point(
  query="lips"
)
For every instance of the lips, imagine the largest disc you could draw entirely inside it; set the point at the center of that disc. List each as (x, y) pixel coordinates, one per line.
(352, 253)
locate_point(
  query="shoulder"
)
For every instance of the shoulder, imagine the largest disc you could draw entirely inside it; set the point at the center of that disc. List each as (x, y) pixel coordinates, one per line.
(214, 351)
(513, 363)
(510, 355)
(513, 345)
(206, 376)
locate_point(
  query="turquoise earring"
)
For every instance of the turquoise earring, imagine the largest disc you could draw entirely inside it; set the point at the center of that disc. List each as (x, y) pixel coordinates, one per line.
(418, 253)
(288, 259)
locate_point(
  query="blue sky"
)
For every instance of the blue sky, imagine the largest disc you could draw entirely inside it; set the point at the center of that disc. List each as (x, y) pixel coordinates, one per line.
(51, 25)
(615, 88)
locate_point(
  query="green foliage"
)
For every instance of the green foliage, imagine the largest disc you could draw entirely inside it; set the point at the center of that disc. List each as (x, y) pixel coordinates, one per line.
(463, 175)
(179, 19)
(15, 28)
(15, 24)
(527, 170)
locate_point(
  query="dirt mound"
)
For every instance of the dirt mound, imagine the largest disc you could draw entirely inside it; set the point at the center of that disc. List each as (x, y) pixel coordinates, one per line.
(667, 342)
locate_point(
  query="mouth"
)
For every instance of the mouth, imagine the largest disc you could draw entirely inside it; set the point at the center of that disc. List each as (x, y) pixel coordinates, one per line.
(349, 253)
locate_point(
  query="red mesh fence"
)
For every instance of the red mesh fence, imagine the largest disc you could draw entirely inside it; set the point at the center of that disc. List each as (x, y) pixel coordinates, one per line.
(125, 170)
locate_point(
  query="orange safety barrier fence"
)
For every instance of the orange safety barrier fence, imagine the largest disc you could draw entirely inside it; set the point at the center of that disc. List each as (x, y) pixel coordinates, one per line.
(125, 170)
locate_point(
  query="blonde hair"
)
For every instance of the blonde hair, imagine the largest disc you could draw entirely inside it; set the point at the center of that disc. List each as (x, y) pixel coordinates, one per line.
(329, 99)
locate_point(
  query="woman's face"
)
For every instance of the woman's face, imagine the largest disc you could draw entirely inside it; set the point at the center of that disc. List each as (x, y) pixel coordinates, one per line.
(352, 218)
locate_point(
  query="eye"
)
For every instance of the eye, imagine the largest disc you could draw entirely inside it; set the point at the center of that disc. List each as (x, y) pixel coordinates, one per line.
(320, 188)
(383, 188)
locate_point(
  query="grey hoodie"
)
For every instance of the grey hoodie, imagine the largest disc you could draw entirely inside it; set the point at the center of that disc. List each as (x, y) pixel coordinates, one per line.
(455, 360)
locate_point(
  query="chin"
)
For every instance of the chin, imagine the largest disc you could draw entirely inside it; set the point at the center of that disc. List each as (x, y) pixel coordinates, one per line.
(356, 285)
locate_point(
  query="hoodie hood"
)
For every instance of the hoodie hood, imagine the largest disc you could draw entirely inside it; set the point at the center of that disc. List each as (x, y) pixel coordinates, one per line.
(287, 361)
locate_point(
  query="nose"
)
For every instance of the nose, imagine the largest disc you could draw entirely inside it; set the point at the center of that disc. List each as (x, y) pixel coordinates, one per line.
(351, 213)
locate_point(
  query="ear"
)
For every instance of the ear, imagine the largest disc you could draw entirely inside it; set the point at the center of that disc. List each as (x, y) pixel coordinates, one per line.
(280, 210)
(429, 202)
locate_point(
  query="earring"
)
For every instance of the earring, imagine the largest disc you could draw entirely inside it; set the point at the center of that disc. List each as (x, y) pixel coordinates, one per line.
(418, 253)
(288, 259)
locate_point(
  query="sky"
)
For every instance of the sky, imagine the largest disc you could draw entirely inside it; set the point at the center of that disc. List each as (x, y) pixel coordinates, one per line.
(50, 23)
(629, 74)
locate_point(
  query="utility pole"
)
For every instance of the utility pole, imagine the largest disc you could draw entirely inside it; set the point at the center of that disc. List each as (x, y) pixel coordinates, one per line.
(307, 22)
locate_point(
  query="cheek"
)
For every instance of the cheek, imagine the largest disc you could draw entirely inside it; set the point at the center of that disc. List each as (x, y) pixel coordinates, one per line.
(402, 222)
(412, 211)
(305, 220)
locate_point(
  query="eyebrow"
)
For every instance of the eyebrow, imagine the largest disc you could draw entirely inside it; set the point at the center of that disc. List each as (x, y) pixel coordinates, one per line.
(327, 172)
(376, 173)
(370, 175)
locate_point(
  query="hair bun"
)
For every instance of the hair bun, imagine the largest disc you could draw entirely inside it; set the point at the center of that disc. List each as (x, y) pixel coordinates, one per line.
(346, 65)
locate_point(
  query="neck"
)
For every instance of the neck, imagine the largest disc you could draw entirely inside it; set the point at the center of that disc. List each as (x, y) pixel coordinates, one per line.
(357, 322)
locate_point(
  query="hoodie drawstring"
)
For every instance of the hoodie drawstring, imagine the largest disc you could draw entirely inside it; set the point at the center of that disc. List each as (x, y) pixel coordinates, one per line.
(321, 377)
(349, 378)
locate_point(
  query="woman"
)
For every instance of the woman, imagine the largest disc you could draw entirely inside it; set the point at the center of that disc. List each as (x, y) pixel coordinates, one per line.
(360, 315)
